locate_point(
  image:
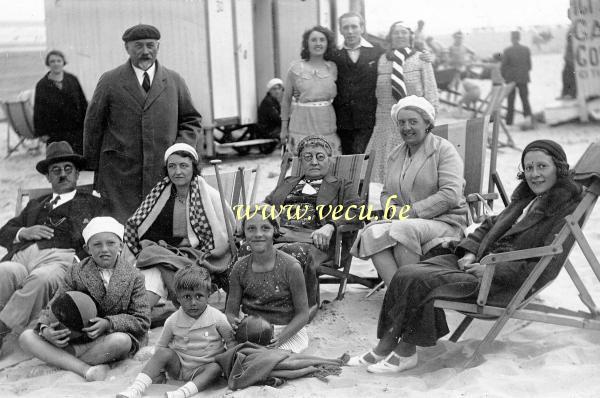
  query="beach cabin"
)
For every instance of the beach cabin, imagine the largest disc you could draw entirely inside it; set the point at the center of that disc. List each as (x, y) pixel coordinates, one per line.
(226, 50)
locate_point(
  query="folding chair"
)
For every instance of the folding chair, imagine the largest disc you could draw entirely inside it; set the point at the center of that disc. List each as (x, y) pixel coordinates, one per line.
(34, 193)
(357, 169)
(19, 116)
(233, 187)
(518, 304)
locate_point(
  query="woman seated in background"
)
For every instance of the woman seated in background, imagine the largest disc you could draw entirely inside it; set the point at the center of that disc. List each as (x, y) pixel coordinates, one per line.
(309, 238)
(311, 83)
(418, 79)
(535, 215)
(269, 111)
(270, 284)
(425, 173)
(181, 221)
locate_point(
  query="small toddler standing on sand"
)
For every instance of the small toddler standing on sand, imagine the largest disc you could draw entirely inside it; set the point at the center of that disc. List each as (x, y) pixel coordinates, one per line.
(190, 340)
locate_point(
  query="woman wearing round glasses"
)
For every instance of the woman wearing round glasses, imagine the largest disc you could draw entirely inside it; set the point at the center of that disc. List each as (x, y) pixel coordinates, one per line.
(307, 226)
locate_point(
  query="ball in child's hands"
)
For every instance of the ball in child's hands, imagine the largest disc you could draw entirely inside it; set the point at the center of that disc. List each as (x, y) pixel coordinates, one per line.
(74, 310)
(254, 329)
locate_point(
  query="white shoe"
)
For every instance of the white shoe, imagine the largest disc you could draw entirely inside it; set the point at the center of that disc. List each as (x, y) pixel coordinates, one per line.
(360, 360)
(386, 367)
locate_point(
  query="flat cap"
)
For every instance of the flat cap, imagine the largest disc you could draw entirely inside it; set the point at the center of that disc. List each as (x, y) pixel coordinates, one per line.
(141, 32)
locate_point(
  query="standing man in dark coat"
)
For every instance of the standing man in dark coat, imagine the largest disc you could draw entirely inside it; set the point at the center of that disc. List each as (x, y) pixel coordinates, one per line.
(138, 110)
(43, 240)
(355, 103)
(516, 64)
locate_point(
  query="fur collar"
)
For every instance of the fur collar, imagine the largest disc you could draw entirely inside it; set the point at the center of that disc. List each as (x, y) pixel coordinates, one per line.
(564, 191)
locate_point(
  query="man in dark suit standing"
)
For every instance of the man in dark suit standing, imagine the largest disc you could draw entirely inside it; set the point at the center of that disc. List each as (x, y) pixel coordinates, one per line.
(516, 64)
(138, 110)
(355, 103)
(43, 240)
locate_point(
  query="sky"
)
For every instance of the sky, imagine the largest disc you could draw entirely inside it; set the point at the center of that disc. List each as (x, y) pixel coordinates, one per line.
(444, 16)
(441, 16)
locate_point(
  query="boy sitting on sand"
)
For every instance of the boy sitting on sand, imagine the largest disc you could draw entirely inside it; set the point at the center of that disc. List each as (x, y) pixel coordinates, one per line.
(123, 313)
(190, 340)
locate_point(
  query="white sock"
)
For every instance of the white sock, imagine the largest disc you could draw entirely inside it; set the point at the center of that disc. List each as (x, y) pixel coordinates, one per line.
(185, 391)
(137, 388)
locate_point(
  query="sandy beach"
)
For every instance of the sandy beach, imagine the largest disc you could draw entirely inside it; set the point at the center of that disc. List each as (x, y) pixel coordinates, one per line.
(527, 359)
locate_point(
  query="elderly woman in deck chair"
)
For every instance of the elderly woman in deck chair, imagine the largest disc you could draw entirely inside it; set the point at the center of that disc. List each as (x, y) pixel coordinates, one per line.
(180, 222)
(539, 205)
(308, 201)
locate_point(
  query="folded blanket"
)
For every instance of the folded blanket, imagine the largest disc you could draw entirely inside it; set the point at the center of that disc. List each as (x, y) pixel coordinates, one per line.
(248, 364)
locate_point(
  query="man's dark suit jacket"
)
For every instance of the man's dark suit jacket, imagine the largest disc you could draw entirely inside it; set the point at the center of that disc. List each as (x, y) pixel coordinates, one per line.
(355, 103)
(77, 213)
(516, 64)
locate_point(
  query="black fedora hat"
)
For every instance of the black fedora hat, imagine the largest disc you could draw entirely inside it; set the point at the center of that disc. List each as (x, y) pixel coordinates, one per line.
(59, 151)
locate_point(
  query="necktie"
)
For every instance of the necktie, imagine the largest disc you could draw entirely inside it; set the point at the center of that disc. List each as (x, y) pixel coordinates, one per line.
(50, 205)
(398, 86)
(146, 83)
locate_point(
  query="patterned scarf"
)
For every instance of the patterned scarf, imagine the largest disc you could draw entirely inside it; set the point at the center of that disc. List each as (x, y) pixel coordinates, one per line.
(198, 220)
(398, 85)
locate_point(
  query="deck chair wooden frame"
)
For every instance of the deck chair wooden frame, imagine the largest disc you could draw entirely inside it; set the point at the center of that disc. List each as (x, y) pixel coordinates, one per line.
(236, 187)
(19, 117)
(34, 193)
(520, 306)
(355, 168)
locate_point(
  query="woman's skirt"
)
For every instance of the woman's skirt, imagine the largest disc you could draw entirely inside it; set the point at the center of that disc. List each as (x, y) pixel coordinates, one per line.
(297, 343)
(313, 118)
(416, 234)
(408, 312)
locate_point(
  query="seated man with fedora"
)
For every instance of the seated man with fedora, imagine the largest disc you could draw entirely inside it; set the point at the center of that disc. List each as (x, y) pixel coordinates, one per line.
(43, 240)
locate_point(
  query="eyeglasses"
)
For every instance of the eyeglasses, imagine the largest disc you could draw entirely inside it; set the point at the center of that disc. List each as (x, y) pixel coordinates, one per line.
(307, 157)
(56, 170)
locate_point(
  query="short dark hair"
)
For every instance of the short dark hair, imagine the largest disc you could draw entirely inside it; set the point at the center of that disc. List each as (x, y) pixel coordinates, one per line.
(192, 277)
(305, 54)
(185, 154)
(351, 14)
(562, 167)
(57, 53)
(259, 211)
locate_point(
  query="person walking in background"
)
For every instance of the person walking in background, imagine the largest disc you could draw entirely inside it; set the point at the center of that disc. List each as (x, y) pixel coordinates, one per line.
(569, 84)
(138, 110)
(401, 71)
(311, 83)
(419, 37)
(459, 55)
(516, 64)
(60, 105)
(355, 103)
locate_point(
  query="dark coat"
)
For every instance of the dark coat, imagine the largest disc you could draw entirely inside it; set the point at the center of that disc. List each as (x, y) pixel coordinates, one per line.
(408, 304)
(78, 211)
(59, 113)
(269, 116)
(516, 64)
(333, 192)
(127, 133)
(355, 103)
(124, 303)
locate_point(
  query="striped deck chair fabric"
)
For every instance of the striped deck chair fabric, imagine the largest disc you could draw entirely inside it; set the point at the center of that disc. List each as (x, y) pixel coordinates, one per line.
(349, 167)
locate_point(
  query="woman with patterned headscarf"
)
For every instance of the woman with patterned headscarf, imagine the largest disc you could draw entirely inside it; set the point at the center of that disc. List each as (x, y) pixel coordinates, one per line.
(180, 222)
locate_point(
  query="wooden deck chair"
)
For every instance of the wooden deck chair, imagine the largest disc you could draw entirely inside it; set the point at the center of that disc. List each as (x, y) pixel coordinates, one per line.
(34, 193)
(355, 168)
(19, 117)
(518, 304)
(236, 187)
